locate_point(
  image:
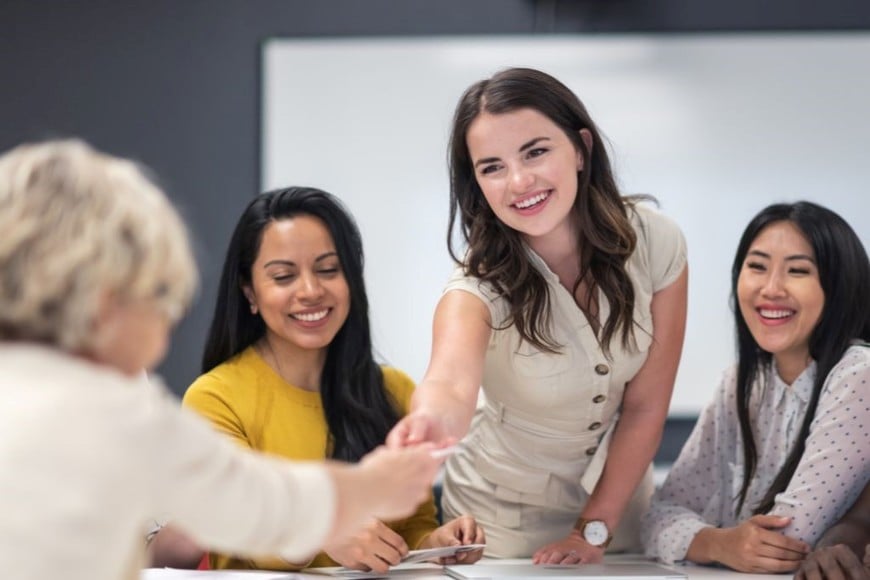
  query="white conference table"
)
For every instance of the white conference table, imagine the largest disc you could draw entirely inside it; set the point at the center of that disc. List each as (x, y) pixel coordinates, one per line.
(429, 572)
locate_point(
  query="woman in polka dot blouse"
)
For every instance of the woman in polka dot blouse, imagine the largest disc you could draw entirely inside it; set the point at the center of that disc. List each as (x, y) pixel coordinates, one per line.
(784, 447)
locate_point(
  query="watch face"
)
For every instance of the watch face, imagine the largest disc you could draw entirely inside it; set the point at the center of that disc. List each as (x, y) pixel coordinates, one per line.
(595, 532)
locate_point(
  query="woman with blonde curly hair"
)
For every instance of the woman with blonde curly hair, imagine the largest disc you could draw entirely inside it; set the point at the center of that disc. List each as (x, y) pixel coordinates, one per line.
(95, 268)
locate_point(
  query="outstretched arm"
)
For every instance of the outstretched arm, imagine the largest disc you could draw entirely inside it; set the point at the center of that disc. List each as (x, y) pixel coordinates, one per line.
(444, 401)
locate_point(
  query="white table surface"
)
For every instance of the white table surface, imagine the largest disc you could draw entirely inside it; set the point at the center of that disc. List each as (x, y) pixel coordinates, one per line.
(429, 572)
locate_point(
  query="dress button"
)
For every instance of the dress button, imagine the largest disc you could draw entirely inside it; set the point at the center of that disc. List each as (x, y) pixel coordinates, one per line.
(591, 451)
(594, 426)
(598, 399)
(602, 369)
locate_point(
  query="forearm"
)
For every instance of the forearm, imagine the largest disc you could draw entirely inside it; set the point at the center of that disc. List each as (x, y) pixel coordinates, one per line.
(634, 443)
(453, 403)
(704, 546)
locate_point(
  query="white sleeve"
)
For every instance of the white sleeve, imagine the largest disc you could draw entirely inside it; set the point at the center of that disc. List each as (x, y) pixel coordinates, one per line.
(694, 484)
(232, 500)
(835, 464)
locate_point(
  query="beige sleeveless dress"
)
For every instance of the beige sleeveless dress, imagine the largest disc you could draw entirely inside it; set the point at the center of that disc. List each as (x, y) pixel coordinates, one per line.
(538, 442)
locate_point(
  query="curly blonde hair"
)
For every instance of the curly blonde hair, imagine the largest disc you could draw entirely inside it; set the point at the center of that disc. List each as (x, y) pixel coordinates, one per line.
(77, 224)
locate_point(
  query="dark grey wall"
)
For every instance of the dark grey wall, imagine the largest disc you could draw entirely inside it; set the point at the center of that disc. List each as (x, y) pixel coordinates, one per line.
(175, 83)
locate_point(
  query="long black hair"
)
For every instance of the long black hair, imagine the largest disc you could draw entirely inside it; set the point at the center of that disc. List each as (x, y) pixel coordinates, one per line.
(359, 410)
(844, 275)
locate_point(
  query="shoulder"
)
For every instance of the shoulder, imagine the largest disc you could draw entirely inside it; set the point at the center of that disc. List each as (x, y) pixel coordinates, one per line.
(853, 366)
(399, 385)
(223, 380)
(651, 224)
(459, 280)
(661, 252)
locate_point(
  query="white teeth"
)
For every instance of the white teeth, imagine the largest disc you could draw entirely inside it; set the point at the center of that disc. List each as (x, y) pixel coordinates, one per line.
(312, 316)
(532, 201)
(775, 313)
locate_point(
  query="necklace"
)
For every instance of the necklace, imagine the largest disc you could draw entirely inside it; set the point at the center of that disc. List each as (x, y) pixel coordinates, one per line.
(277, 365)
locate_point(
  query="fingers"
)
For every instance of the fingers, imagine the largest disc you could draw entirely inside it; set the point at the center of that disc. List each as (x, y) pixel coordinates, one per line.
(764, 565)
(470, 557)
(469, 532)
(387, 535)
(381, 547)
(780, 552)
(466, 530)
(380, 561)
(753, 547)
(479, 535)
(806, 572)
(780, 546)
(770, 522)
(397, 436)
(840, 563)
(417, 432)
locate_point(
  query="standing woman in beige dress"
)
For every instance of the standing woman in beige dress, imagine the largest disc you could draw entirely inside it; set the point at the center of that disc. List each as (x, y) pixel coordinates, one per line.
(568, 307)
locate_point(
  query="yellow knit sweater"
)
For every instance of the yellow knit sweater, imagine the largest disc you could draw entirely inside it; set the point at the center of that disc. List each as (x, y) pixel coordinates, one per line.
(245, 399)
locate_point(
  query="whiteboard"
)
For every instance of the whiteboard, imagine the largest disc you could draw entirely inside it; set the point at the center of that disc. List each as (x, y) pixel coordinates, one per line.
(715, 126)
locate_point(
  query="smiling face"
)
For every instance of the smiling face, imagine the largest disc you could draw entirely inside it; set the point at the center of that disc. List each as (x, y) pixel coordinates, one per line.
(526, 167)
(298, 286)
(780, 295)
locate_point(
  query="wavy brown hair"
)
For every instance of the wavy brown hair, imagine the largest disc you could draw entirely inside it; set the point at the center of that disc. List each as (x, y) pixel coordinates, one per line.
(497, 254)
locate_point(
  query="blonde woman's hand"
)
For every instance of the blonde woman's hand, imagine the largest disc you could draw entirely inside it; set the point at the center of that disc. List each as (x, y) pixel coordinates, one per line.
(387, 484)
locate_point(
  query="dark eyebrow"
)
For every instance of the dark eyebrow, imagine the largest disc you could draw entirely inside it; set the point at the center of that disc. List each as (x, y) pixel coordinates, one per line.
(533, 142)
(800, 257)
(292, 263)
(761, 254)
(523, 147)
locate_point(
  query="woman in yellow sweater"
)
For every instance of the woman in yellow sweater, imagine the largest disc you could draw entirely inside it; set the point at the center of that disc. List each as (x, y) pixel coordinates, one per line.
(288, 366)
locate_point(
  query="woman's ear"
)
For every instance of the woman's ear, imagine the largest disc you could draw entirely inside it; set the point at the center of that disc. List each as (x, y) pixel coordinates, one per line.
(586, 135)
(252, 298)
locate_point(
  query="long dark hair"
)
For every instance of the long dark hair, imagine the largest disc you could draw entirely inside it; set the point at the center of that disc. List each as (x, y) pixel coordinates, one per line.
(844, 274)
(496, 253)
(359, 410)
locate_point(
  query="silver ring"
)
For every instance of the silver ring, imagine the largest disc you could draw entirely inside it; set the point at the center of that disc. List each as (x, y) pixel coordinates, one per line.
(572, 553)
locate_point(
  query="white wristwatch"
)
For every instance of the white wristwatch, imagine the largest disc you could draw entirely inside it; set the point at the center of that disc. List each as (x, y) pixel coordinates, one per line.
(595, 532)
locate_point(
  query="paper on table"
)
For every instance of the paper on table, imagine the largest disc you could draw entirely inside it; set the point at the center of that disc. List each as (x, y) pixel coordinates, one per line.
(443, 552)
(415, 570)
(414, 561)
(176, 574)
